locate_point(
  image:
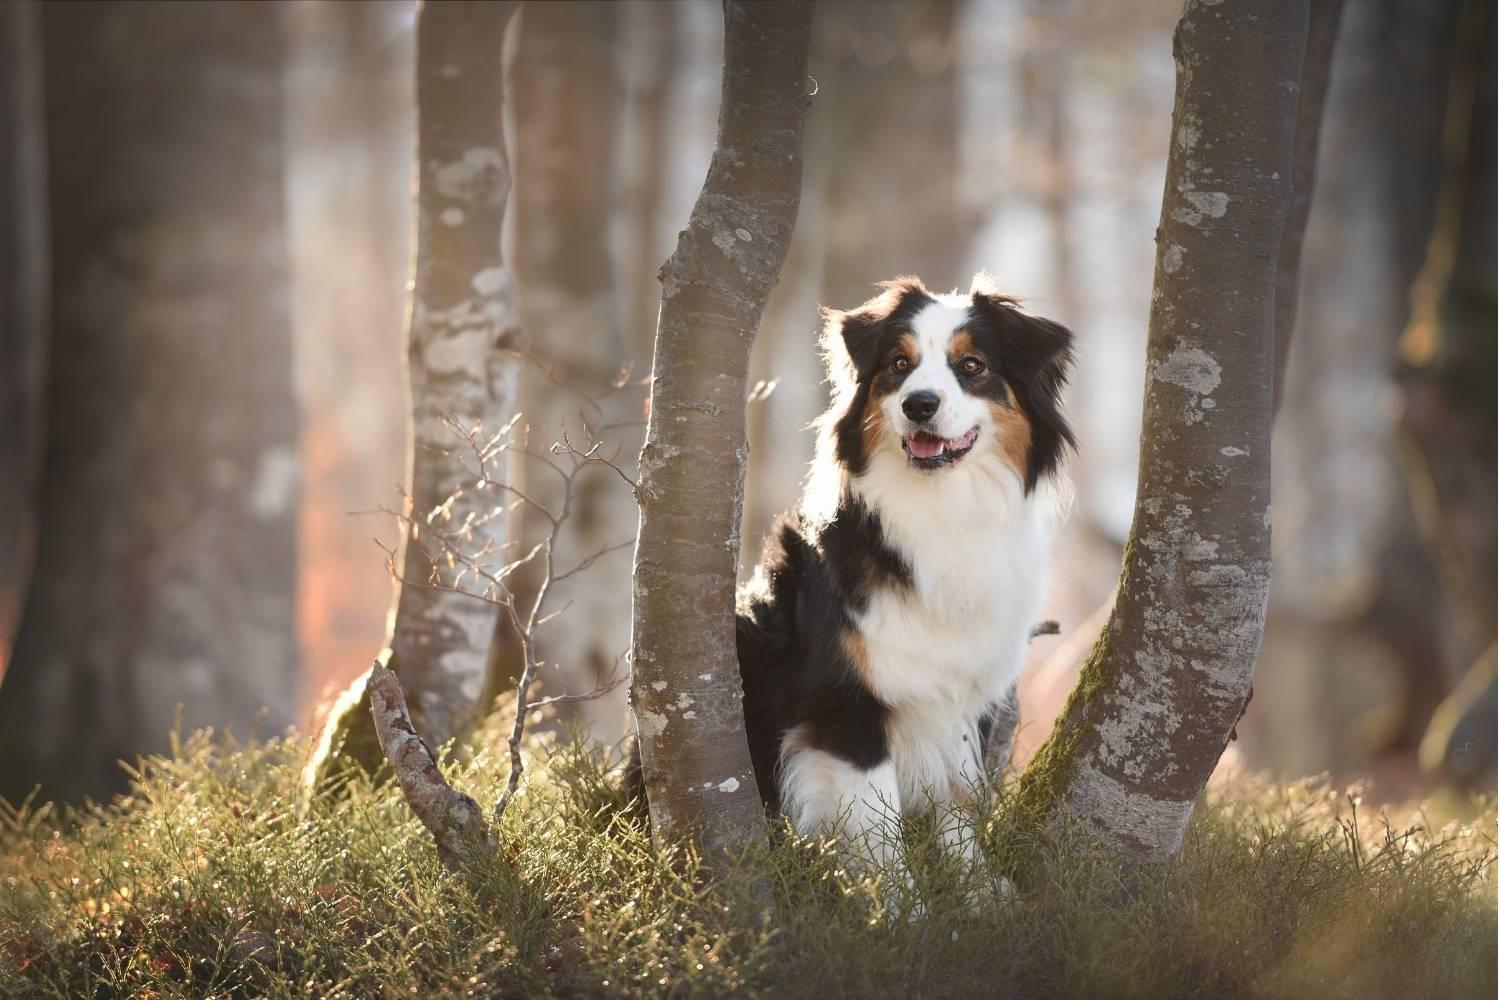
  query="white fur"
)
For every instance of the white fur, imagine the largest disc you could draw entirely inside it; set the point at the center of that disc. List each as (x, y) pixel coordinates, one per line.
(824, 794)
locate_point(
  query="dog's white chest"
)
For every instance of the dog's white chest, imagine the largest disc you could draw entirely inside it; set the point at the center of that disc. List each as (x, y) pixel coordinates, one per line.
(956, 637)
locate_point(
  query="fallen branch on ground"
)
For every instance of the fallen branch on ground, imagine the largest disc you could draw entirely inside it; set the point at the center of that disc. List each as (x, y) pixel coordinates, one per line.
(455, 820)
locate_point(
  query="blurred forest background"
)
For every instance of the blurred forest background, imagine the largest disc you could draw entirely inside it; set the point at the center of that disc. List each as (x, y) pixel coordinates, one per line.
(218, 197)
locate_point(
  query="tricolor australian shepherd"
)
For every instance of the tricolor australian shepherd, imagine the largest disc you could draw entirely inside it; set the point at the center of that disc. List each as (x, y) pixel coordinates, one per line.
(890, 615)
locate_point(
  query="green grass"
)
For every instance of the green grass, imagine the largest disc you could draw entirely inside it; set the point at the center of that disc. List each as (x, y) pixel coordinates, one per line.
(213, 878)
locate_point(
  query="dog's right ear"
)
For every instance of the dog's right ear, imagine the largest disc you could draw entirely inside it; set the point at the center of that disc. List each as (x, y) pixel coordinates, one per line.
(851, 337)
(854, 337)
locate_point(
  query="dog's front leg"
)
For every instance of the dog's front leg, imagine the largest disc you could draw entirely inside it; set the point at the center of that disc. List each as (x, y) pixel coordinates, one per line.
(958, 826)
(825, 794)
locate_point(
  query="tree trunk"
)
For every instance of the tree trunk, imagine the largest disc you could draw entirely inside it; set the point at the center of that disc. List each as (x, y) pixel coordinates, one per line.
(167, 559)
(1171, 672)
(894, 118)
(652, 73)
(349, 130)
(462, 363)
(1317, 75)
(1450, 394)
(685, 689)
(23, 307)
(568, 112)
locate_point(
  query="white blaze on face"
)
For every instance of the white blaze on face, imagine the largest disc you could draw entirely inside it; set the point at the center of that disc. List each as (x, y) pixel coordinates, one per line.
(958, 412)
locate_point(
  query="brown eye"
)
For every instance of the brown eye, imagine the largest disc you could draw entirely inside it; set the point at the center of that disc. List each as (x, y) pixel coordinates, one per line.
(971, 366)
(901, 363)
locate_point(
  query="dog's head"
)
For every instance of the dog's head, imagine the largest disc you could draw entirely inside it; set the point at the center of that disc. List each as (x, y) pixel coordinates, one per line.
(942, 379)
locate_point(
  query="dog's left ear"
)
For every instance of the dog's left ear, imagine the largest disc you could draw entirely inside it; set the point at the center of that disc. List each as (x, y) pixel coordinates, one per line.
(1037, 354)
(1033, 346)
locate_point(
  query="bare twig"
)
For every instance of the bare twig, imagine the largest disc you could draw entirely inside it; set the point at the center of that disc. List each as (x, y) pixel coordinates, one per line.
(453, 560)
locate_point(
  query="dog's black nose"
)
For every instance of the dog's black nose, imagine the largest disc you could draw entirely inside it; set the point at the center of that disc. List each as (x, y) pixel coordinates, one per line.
(920, 405)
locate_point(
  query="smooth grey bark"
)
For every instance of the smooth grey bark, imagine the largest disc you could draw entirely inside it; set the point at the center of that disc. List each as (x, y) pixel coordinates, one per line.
(651, 52)
(567, 118)
(1354, 595)
(348, 123)
(786, 364)
(462, 363)
(1169, 676)
(167, 555)
(1317, 76)
(685, 688)
(23, 307)
(894, 123)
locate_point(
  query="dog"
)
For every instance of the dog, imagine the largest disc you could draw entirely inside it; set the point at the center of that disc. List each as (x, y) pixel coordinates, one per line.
(887, 622)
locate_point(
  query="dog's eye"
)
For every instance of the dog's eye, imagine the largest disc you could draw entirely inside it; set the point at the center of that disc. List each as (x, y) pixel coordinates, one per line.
(971, 366)
(900, 363)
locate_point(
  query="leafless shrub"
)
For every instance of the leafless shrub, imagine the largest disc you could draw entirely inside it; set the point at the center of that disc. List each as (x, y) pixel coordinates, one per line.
(463, 561)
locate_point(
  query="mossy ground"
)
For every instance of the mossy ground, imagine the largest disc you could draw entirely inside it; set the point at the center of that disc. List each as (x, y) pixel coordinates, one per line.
(214, 878)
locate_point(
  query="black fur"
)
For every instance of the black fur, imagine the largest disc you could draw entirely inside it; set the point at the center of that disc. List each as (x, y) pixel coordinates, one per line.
(793, 663)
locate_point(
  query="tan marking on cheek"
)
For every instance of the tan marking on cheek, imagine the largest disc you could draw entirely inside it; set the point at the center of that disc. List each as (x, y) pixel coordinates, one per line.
(959, 793)
(859, 656)
(1013, 435)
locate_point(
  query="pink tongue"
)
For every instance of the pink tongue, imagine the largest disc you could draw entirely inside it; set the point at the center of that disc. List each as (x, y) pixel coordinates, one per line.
(922, 446)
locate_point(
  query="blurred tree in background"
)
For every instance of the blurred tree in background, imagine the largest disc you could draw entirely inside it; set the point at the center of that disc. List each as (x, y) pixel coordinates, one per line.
(231, 222)
(166, 564)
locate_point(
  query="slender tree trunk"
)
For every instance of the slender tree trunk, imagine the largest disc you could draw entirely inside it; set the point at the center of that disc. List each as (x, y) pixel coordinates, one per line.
(685, 688)
(462, 363)
(894, 119)
(1171, 672)
(23, 307)
(1449, 352)
(349, 128)
(567, 99)
(651, 52)
(167, 558)
(1317, 75)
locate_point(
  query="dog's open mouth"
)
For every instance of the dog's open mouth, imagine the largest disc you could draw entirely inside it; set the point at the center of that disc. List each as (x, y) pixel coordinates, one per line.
(928, 451)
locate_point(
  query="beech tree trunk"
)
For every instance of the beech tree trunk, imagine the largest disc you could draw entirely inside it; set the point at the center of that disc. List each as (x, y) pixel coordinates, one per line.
(166, 567)
(685, 689)
(567, 117)
(349, 127)
(1170, 674)
(23, 307)
(652, 73)
(1317, 76)
(462, 362)
(894, 123)
(1449, 385)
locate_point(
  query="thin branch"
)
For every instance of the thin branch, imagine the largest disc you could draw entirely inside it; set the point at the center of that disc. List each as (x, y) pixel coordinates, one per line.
(454, 819)
(589, 560)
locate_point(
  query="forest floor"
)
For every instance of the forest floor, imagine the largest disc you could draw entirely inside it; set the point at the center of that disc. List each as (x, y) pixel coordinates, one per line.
(214, 877)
